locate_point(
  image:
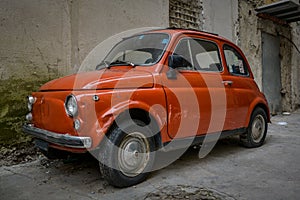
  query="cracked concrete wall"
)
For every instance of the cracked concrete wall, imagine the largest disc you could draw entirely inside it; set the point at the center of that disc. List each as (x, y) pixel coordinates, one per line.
(41, 40)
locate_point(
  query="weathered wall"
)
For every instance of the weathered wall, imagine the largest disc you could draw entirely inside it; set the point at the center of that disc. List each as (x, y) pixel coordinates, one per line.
(185, 14)
(34, 38)
(100, 19)
(33, 49)
(251, 28)
(295, 62)
(41, 40)
(237, 21)
(250, 38)
(221, 17)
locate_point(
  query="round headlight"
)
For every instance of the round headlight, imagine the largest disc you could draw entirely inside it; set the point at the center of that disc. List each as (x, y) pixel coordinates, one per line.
(71, 106)
(31, 99)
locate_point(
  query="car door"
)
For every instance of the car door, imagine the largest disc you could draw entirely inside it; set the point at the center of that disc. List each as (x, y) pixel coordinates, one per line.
(196, 99)
(242, 85)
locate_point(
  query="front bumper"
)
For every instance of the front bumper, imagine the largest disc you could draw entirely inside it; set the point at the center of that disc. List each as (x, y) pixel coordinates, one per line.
(58, 139)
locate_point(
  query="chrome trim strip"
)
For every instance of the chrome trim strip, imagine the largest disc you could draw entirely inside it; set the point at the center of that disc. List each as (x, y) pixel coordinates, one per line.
(65, 140)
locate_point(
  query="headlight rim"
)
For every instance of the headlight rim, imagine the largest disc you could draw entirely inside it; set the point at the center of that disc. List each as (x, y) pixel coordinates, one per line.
(30, 101)
(69, 113)
(29, 107)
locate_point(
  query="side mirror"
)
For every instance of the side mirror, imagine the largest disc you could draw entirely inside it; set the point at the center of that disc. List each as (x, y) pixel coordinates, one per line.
(175, 61)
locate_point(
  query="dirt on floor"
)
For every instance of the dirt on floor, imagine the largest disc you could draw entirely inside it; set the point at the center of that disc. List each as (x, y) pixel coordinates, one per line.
(228, 172)
(185, 192)
(18, 154)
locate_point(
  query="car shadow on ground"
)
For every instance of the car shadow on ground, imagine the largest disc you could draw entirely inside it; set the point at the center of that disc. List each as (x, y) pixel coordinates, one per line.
(224, 147)
(88, 166)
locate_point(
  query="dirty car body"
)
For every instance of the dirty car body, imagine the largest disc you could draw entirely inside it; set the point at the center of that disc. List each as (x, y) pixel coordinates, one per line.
(151, 92)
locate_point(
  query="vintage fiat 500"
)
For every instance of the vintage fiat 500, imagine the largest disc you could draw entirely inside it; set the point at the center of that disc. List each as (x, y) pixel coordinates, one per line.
(154, 90)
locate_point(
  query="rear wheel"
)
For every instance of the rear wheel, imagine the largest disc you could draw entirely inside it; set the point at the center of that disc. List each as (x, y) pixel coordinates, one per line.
(257, 129)
(126, 155)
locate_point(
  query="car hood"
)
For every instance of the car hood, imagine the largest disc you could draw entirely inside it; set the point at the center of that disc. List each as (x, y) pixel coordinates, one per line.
(114, 78)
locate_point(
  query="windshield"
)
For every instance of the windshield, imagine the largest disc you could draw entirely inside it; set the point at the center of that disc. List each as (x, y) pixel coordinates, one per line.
(142, 50)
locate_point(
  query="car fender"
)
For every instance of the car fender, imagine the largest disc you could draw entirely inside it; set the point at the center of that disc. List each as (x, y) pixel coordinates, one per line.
(106, 120)
(255, 103)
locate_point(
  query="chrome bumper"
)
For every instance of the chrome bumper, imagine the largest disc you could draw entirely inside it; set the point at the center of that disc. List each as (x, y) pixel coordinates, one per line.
(58, 139)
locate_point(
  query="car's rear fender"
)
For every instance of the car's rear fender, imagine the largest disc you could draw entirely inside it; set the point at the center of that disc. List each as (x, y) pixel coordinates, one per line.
(258, 102)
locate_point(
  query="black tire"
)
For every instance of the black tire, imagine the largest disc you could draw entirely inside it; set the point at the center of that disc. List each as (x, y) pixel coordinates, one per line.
(256, 131)
(127, 154)
(53, 154)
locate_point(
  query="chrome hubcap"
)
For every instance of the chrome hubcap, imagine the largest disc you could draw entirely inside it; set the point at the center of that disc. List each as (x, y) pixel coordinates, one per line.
(258, 128)
(133, 154)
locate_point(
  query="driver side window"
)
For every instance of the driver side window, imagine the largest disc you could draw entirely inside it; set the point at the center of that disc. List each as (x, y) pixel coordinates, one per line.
(200, 55)
(183, 50)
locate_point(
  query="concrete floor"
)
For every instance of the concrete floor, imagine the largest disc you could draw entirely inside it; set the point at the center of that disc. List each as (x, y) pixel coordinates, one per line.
(269, 172)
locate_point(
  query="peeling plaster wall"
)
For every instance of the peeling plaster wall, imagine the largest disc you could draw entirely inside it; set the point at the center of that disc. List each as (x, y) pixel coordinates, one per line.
(295, 65)
(41, 40)
(250, 38)
(251, 28)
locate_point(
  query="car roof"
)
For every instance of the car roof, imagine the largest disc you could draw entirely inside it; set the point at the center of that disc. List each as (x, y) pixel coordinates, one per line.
(174, 31)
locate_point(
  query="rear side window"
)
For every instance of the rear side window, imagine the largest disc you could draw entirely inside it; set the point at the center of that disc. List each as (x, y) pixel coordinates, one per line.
(235, 63)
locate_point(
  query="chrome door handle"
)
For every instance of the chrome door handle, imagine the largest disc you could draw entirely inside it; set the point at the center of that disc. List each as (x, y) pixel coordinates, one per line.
(227, 82)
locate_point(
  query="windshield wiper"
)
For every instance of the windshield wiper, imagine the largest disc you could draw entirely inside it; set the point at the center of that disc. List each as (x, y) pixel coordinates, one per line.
(121, 62)
(115, 63)
(103, 62)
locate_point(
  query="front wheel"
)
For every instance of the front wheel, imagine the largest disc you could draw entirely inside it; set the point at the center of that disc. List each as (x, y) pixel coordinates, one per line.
(126, 154)
(257, 129)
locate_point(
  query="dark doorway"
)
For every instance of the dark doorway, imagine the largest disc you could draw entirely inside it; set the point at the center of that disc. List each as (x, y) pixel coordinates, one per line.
(271, 73)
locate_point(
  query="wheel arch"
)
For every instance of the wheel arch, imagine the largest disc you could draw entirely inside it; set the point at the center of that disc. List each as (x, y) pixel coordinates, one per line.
(258, 104)
(148, 118)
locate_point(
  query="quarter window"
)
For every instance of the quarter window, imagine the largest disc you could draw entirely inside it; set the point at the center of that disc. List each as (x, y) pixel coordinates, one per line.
(235, 62)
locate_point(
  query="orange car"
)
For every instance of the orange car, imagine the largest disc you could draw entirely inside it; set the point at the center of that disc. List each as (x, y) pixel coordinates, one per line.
(155, 91)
